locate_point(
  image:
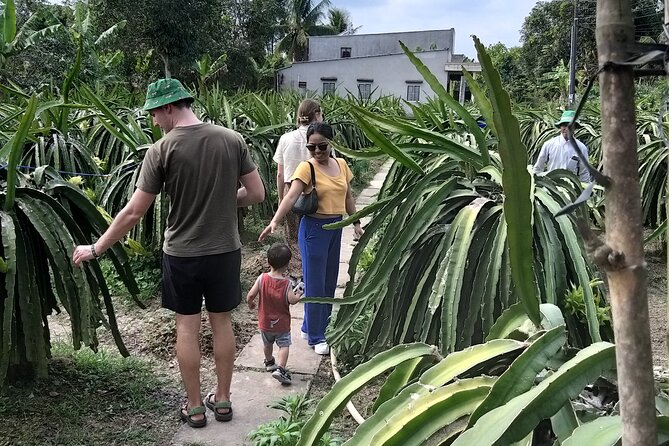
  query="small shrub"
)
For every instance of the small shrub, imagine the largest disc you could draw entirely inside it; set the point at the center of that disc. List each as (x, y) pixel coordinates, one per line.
(146, 268)
(286, 430)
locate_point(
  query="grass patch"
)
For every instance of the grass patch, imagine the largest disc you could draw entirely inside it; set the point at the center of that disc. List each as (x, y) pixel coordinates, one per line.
(90, 399)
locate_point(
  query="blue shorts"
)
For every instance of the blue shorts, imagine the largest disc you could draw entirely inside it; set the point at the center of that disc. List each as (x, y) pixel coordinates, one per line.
(281, 339)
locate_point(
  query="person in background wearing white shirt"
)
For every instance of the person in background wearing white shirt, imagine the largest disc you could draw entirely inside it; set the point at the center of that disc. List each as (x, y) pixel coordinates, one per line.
(290, 152)
(559, 153)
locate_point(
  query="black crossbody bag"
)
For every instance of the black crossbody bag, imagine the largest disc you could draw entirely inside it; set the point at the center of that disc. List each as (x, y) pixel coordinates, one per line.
(308, 203)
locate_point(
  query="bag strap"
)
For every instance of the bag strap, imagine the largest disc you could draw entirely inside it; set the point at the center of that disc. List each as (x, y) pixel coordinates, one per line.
(313, 175)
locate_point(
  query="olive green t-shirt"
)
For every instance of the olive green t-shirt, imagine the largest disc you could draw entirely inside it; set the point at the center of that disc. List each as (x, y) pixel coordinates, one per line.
(199, 166)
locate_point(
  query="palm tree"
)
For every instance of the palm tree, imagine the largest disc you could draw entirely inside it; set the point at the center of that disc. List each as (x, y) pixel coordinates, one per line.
(340, 21)
(304, 21)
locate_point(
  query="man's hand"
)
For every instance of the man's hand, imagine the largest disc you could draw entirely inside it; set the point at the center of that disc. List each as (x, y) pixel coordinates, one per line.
(82, 253)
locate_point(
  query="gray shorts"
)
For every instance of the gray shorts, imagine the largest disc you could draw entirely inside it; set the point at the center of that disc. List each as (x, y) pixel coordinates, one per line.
(281, 339)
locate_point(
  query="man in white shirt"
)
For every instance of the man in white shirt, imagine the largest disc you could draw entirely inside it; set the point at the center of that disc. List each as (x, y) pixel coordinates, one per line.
(559, 153)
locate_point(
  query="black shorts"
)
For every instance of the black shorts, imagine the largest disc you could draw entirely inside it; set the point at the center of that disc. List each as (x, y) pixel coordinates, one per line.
(187, 279)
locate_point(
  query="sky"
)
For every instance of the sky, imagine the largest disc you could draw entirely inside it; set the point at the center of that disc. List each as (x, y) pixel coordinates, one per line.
(491, 20)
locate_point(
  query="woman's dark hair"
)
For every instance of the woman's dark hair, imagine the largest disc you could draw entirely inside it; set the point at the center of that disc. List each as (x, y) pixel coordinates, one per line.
(322, 128)
(278, 255)
(307, 110)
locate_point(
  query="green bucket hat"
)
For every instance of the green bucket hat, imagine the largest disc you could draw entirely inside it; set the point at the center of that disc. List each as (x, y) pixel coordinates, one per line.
(566, 118)
(163, 92)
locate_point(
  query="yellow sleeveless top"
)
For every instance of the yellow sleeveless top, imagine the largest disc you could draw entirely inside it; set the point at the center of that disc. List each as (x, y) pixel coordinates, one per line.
(331, 189)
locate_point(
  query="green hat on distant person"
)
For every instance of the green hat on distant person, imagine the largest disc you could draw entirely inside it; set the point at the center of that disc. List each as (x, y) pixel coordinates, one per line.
(163, 92)
(566, 118)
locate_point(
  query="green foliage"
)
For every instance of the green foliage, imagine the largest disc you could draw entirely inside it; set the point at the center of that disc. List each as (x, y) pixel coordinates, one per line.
(206, 68)
(14, 39)
(342, 391)
(507, 62)
(366, 259)
(339, 20)
(545, 48)
(286, 430)
(574, 304)
(493, 393)
(179, 32)
(147, 273)
(607, 431)
(304, 20)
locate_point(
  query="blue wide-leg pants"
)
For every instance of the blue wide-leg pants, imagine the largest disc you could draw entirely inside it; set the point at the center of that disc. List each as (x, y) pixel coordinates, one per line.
(320, 266)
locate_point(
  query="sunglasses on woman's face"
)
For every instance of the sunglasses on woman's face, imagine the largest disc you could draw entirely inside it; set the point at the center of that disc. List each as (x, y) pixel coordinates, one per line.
(322, 147)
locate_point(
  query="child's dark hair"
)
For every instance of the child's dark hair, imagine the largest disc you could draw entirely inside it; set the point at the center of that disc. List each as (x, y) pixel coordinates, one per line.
(322, 128)
(278, 255)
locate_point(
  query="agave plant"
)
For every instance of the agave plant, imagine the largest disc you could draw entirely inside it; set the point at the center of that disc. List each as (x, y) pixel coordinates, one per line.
(462, 232)
(42, 220)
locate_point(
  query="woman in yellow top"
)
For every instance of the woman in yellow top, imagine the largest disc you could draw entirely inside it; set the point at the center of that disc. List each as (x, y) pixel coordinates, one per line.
(319, 247)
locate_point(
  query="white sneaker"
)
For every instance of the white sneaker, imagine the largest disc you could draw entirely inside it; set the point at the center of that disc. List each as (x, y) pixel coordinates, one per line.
(304, 335)
(322, 349)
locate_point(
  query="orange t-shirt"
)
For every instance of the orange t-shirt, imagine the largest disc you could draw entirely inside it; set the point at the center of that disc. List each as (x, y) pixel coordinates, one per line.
(331, 189)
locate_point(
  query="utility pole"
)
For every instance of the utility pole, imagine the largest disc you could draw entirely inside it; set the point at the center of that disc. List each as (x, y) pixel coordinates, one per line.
(572, 59)
(627, 279)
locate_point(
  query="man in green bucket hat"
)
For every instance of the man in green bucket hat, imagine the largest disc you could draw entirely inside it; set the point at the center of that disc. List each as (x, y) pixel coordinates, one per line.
(199, 165)
(559, 153)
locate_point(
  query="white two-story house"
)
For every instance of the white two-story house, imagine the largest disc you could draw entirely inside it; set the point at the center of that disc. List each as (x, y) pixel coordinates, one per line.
(371, 65)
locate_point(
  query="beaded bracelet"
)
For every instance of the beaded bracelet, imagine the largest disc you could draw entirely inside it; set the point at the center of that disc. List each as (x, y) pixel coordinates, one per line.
(95, 254)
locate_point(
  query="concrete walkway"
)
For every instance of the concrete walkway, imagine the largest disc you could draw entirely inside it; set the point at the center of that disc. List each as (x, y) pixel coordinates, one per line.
(254, 389)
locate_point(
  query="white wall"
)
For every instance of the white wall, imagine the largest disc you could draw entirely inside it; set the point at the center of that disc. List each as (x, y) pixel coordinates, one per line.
(389, 74)
(362, 45)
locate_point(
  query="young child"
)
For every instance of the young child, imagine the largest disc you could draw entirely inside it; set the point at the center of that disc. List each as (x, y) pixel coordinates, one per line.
(276, 295)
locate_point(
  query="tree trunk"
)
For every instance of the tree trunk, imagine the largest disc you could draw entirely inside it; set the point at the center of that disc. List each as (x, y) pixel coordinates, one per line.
(629, 303)
(166, 63)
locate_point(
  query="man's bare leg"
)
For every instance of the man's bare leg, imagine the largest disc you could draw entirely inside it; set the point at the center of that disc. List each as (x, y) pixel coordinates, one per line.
(224, 353)
(188, 356)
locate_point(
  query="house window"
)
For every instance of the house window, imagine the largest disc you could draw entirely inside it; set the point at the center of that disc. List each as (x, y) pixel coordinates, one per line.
(364, 90)
(328, 88)
(302, 86)
(345, 52)
(413, 93)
